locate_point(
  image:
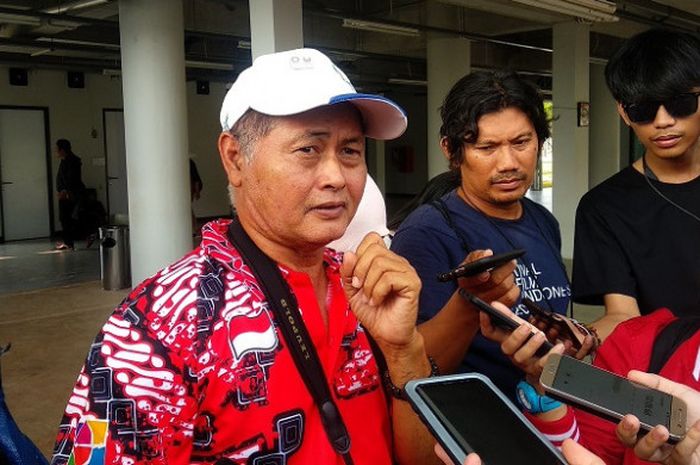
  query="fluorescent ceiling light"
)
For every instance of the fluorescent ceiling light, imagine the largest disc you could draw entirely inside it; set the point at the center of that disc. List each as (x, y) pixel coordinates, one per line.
(407, 82)
(77, 42)
(78, 5)
(592, 10)
(57, 22)
(598, 5)
(19, 19)
(346, 56)
(41, 52)
(380, 27)
(209, 65)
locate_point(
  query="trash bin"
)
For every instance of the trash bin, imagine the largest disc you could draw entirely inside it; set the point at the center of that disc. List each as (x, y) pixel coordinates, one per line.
(114, 257)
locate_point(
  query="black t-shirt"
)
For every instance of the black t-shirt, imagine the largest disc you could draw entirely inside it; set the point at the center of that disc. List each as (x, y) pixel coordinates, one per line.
(631, 241)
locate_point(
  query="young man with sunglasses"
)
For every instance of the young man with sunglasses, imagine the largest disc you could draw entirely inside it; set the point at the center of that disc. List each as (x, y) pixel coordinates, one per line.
(637, 244)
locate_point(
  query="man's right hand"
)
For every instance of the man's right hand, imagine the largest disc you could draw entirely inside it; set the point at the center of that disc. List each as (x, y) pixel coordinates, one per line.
(518, 345)
(449, 333)
(496, 284)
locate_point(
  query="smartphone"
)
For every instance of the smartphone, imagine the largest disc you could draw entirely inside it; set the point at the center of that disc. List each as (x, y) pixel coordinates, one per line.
(500, 320)
(610, 396)
(481, 265)
(467, 413)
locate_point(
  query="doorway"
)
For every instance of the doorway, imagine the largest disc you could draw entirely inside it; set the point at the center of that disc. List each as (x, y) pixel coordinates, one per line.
(115, 165)
(25, 161)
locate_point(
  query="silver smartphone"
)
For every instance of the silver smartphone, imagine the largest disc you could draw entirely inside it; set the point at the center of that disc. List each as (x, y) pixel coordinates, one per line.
(467, 413)
(610, 396)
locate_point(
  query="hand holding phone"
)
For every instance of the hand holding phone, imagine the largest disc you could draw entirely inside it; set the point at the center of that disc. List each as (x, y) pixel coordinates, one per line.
(610, 396)
(480, 265)
(561, 328)
(467, 413)
(654, 447)
(500, 320)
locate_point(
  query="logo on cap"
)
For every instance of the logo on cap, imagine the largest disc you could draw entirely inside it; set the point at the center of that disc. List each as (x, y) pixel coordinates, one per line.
(301, 62)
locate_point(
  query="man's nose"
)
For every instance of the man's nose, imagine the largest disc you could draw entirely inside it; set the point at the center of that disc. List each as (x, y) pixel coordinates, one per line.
(331, 172)
(663, 118)
(507, 159)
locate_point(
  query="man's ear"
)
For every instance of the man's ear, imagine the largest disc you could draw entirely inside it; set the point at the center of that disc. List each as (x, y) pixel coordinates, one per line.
(623, 114)
(231, 157)
(445, 147)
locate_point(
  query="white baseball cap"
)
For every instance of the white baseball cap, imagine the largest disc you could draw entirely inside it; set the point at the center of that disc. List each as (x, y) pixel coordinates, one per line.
(291, 82)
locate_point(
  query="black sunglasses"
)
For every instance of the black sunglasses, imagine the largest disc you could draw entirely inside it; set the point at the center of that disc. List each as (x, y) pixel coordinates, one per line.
(679, 106)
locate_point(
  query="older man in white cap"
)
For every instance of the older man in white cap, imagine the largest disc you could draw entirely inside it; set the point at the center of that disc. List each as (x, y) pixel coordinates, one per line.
(255, 348)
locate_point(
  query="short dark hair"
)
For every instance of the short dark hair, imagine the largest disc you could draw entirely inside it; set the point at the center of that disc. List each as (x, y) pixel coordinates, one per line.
(64, 144)
(250, 128)
(654, 65)
(481, 93)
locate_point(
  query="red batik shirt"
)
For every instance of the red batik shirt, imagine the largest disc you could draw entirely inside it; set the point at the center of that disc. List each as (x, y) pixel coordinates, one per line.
(192, 369)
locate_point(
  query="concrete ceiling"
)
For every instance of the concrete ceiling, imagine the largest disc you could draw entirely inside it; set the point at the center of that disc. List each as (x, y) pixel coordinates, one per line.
(84, 35)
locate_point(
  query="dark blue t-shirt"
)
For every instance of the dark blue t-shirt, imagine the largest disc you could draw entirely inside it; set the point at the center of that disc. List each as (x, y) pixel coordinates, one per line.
(430, 244)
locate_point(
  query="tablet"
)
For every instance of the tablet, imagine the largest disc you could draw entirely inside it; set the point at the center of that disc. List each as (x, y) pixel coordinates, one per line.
(467, 413)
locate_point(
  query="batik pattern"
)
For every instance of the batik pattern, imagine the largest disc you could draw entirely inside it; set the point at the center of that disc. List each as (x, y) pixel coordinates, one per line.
(182, 372)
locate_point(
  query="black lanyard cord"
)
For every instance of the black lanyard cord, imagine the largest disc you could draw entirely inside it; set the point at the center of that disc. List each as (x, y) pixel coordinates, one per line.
(286, 310)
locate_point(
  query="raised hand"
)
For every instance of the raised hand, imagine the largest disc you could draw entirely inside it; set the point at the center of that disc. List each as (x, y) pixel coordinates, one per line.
(518, 345)
(382, 289)
(496, 284)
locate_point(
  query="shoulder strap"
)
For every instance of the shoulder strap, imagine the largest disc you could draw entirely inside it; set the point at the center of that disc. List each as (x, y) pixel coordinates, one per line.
(286, 310)
(670, 339)
(441, 206)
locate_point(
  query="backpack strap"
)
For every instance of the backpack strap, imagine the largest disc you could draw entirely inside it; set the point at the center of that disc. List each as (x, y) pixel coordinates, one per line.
(670, 339)
(441, 206)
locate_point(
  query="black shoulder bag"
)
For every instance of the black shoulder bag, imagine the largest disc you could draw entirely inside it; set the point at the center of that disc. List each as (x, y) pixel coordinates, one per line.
(670, 339)
(286, 309)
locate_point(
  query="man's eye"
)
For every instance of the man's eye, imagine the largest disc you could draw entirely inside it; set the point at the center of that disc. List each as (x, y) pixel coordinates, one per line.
(307, 150)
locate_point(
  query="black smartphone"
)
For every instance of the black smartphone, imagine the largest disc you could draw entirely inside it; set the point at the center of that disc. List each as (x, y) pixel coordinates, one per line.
(610, 396)
(467, 413)
(500, 320)
(481, 265)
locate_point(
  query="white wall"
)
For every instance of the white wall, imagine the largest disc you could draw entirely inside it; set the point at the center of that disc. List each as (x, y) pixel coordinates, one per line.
(204, 130)
(76, 114)
(398, 182)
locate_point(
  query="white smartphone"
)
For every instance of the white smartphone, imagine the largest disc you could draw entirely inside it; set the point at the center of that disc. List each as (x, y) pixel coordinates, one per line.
(611, 396)
(467, 413)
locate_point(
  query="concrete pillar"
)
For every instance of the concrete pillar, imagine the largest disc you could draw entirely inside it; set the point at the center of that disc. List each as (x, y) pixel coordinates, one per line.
(570, 69)
(448, 59)
(155, 126)
(376, 162)
(275, 26)
(606, 130)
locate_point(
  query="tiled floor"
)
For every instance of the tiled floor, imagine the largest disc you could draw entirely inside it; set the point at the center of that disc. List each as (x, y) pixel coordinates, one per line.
(51, 306)
(27, 265)
(50, 331)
